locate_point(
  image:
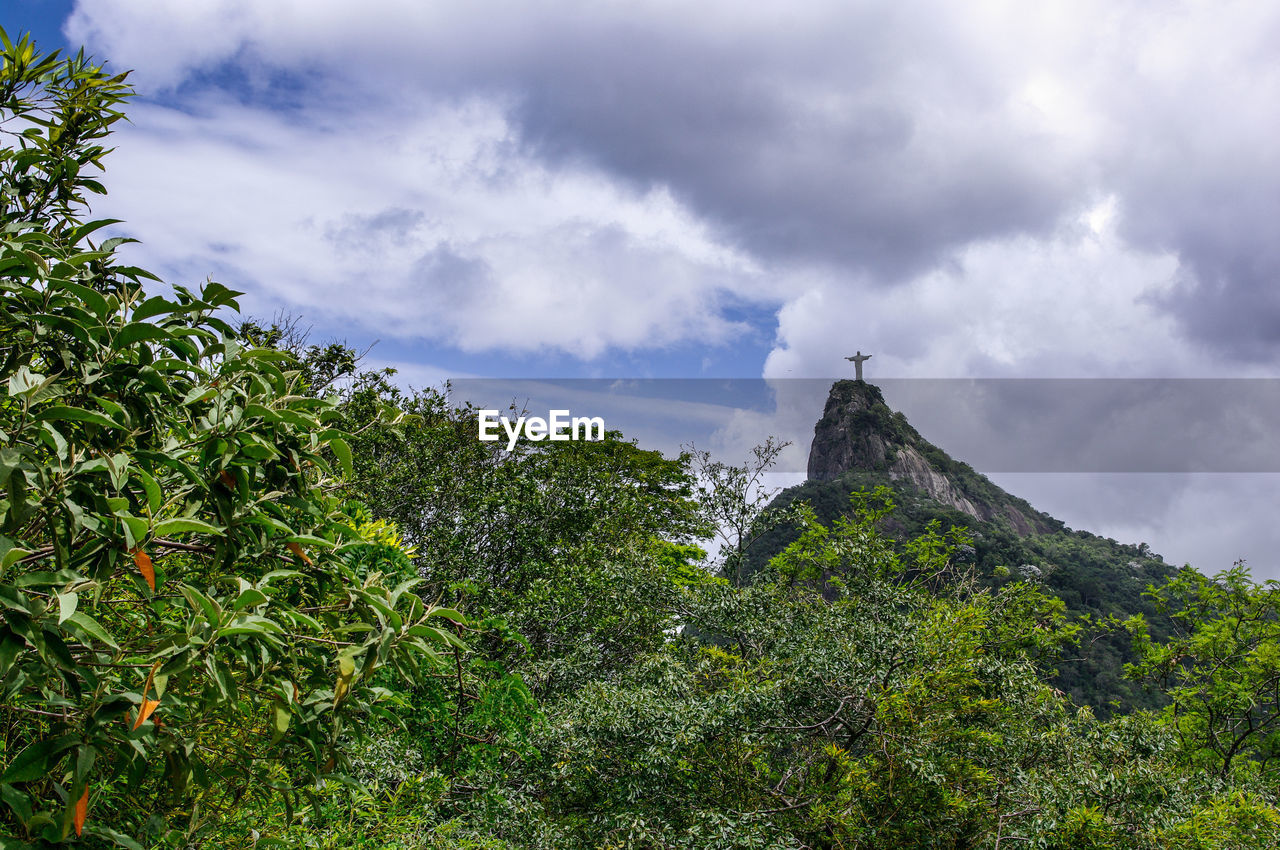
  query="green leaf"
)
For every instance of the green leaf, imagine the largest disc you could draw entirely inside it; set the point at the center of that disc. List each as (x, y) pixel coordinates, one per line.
(376, 603)
(199, 394)
(93, 299)
(449, 614)
(281, 718)
(12, 598)
(12, 556)
(197, 600)
(136, 528)
(92, 627)
(77, 414)
(154, 306)
(219, 296)
(10, 459)
(67, 603)
(179, 525)
(437, 635)
(298, 618)
(275, 574)
(113, 243)
(151, 487)
(114, 836)
(269, 354)
(250, 624)
(403, 586)
(248, 599)
(255, 409)
(46, 578)
(31, 764)
(85, 229)
(17, 801)
(24, 381)
(85, 758)
(10, 646)
(343, 452)
(270, 522)
(310, 540)
(137, 332)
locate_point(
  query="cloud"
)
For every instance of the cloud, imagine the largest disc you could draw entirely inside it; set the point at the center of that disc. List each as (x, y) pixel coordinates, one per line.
(1077, 302)
(874, 136)
(874, 145)
(430, 225)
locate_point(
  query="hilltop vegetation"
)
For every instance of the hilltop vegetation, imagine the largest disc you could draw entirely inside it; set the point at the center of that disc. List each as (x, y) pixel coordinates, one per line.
(861, 444)
(253, 596)
(1097, 578)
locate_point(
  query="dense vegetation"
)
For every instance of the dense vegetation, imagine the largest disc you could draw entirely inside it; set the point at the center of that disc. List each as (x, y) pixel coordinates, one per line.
(253, 596)
(1100, 580)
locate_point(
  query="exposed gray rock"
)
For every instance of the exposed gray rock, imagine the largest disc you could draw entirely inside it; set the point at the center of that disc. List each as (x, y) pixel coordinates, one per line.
(911, 466)
(858, 432)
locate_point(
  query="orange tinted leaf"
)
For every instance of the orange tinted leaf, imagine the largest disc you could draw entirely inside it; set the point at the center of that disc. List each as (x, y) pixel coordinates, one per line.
(148, 706)
(82, 810)
(297, 550)
(227, 479)
(143, 560)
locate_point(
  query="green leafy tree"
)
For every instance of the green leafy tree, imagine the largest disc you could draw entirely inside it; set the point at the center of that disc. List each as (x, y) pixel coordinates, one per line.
(859, 693)
(577, 547)
(188, 618)
(1221, 667)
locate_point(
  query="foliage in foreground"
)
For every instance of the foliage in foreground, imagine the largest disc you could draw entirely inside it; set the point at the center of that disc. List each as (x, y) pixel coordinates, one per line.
(189, 618)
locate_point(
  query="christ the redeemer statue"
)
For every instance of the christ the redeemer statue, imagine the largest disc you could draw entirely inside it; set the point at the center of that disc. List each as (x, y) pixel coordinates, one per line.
(857, 362)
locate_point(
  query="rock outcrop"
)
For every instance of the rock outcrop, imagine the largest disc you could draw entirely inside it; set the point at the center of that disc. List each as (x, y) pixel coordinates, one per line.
(859, 433)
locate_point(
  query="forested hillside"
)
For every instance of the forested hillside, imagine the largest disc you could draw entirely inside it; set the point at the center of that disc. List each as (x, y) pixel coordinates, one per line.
(862, 444)
(252, 595)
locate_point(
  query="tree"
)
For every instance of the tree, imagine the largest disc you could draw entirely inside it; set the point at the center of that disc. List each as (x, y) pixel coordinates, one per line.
(735, 503)
(188, 616)
(1221, 667)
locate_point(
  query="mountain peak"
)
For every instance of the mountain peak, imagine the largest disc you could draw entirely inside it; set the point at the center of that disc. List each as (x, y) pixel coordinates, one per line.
(859, 433)
(861, 443)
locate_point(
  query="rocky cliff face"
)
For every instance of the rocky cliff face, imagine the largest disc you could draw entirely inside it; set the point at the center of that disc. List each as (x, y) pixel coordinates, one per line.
(859, 433)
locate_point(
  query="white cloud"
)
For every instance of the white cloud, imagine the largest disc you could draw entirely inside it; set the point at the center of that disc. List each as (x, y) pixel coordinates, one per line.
(1077, 303)
(429, 223)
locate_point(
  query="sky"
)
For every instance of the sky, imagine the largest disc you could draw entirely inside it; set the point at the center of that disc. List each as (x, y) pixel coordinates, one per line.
(749, 190)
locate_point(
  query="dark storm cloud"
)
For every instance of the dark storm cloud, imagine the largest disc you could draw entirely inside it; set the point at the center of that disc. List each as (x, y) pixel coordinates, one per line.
(1225, 230)
(822, 163)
